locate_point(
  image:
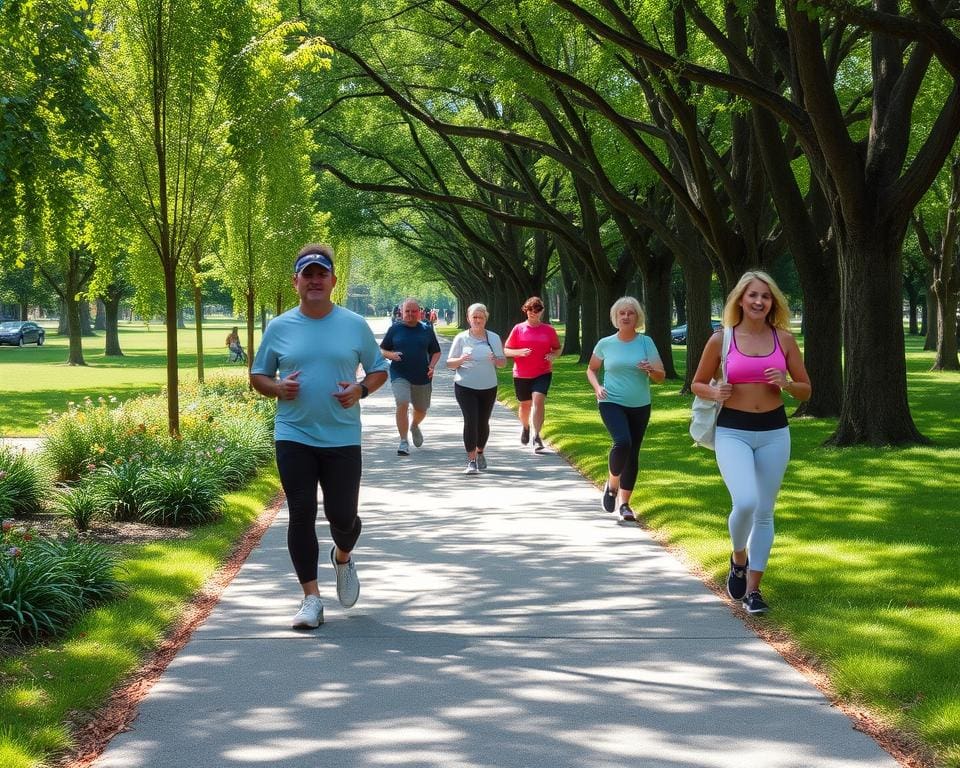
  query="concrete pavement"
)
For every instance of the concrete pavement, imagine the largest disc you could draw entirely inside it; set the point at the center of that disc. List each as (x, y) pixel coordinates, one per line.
(504, 621)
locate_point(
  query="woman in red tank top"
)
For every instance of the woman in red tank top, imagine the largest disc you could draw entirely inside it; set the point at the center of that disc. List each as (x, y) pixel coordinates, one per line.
(753, 438)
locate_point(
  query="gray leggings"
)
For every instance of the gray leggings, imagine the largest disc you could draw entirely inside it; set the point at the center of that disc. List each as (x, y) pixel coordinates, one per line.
(752, 465)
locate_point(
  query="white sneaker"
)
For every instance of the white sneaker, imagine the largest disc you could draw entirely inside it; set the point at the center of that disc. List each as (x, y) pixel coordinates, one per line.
(417, 435)
(403, 449)
(348, 584)
(471, 468)
(310, 615)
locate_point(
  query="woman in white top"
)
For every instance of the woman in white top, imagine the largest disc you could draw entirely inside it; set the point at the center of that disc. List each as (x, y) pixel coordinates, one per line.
(475, 355)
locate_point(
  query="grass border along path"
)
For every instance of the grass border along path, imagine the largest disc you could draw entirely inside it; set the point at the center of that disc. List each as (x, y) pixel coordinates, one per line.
(52, 692)
(863, 577)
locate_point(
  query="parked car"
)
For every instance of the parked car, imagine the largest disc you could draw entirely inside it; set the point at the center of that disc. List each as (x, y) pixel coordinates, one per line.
(21, 332)
(678, 335)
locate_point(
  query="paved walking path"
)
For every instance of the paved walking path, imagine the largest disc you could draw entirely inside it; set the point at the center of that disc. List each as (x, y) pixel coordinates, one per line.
(504, 621)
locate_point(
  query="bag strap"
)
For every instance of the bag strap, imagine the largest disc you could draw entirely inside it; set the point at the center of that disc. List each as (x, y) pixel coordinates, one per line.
(727, 337)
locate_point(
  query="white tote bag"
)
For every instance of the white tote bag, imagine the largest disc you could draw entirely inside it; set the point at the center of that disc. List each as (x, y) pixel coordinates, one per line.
(703, 419)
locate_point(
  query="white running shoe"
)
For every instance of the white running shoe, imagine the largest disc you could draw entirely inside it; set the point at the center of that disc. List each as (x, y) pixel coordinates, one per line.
(471, 468)
(416, 434)
(348, 584)
(310, 615)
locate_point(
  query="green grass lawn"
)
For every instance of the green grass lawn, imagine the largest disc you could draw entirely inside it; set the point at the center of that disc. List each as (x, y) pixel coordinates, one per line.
(35, 380)
(865, 570)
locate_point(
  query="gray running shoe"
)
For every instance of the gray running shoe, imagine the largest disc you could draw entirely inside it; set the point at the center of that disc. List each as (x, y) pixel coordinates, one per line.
(754, 604)
(481, 462)
(626, 514)
(537, 444)
(403, 449)
(525, 436)
(417, 435)
(348, 585)
(471, 468)
(310, 615)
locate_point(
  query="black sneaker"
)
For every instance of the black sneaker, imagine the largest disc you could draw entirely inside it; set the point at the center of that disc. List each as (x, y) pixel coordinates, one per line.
(609, 499)
(754, 605)
(626, 514)
(737, 580)
(537, 444)
(524, 435)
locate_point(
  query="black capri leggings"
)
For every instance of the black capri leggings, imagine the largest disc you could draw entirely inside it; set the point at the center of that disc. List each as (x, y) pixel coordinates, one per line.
(627, 427)
(476, 405)
(337, 470)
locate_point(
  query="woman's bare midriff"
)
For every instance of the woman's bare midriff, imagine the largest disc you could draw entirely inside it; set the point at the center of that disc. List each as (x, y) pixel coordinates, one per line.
(755, 398)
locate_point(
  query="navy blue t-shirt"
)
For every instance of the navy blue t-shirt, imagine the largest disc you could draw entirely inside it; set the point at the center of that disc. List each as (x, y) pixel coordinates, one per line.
(417, 344)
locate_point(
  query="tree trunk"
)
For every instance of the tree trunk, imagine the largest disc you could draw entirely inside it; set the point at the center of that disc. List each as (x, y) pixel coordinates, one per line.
(74, 330)
(111, 314)
(198, 323)
(657, 273)
(173, 374)
(86, 326)
(251, 319)
(100, 322)
(927, 328)
(875, 408)
(945, 290)
(589, 330)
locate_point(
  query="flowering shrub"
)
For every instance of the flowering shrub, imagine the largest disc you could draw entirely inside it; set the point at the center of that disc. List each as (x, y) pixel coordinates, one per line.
(131, 468)
(45, 584)
(24, 482)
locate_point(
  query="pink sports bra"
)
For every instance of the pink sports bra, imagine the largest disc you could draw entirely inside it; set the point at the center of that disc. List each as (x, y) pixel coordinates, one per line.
(748, 369)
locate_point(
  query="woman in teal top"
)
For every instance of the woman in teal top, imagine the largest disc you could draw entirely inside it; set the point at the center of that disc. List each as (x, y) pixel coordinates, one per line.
(630, 362)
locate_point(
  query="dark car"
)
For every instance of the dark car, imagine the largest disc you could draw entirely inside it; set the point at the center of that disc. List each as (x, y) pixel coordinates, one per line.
(678, 335)
(20, 332)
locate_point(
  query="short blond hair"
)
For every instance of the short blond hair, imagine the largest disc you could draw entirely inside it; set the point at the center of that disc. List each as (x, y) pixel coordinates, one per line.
(628, 301)
(779, 314)
(477, 307)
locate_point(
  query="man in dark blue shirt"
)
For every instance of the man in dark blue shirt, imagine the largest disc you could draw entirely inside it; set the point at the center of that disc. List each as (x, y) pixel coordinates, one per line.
(412, 348)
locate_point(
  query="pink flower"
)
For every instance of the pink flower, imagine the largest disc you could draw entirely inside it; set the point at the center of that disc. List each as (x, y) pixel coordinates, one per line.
(14, 551)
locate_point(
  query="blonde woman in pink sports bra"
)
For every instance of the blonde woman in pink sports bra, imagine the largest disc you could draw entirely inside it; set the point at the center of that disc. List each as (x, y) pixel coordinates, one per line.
(753, 437)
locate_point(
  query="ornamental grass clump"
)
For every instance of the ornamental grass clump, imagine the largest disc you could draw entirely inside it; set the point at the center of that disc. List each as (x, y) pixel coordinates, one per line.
(116, 489)
(24, 482)
(46, 584)
(80, 504)
(179, 495)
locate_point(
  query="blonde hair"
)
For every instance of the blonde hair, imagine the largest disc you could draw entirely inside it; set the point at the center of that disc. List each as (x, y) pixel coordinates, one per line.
(779, 314)
(475, 308)
(628, 301)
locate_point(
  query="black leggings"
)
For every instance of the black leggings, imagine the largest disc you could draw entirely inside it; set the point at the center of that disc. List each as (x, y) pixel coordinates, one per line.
(476, 405)
(337, 470)
(627, 427)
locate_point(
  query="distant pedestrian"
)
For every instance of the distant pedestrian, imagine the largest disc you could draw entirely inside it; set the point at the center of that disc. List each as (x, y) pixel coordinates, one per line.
(630, 362)
(308, 360)
(235, 348)
(412, 348)
(475, 354)
(753, 437)
(533, 345)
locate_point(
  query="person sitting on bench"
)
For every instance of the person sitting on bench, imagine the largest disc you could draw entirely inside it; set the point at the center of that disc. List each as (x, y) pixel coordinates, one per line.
(236, 349)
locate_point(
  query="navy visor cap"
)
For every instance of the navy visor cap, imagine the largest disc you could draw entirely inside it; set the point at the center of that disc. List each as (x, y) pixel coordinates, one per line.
(312, 258)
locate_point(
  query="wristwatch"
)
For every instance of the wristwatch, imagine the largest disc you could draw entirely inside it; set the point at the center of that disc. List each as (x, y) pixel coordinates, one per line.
(364, 391)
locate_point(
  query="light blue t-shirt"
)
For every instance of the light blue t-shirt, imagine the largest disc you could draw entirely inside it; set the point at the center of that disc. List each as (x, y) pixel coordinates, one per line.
(626, 384)
(480, 372)
(325, 351)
